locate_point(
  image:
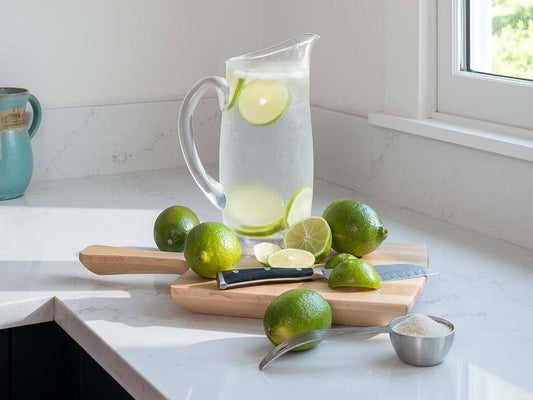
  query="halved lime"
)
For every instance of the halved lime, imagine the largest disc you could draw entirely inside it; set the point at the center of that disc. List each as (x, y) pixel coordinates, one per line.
(355, 273)
(263, 101)
(299, 206)
(254, 210)
(312, 234)
(291, 258)
(338, 259)
(263, 250)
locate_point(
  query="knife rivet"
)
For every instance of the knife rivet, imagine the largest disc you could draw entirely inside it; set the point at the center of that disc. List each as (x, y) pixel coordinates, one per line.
(235, 271)
(267, 268)
(298, 269)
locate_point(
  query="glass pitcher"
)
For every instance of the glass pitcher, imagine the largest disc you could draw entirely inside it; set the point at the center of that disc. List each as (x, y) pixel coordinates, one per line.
(266, 143)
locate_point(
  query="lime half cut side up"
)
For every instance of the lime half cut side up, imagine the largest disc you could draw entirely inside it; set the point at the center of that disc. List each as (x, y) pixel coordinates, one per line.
(263, 101)
(299, 206)
(291, 258)
(312, 234)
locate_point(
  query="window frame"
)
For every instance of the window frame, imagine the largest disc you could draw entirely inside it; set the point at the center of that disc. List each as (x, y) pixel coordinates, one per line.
(414, 34)
(470, 94)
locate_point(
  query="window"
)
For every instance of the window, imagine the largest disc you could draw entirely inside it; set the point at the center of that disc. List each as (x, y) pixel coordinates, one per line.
(460, 71)
(485, 60)
(499, 38)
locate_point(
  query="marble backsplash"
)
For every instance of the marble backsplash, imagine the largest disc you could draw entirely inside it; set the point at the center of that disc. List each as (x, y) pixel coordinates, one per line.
(486, 192)
(89, 141)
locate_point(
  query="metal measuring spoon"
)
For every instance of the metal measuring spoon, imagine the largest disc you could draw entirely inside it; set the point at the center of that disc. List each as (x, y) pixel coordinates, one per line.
(414, 350)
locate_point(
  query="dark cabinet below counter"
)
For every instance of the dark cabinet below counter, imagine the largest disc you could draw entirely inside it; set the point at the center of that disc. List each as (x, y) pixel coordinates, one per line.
(42, 362)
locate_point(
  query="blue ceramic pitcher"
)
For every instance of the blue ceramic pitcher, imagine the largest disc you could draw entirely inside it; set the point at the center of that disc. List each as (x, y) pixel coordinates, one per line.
(16, 160)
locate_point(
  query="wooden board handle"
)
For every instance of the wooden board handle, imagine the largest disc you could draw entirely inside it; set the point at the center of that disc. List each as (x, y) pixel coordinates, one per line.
(108, 260)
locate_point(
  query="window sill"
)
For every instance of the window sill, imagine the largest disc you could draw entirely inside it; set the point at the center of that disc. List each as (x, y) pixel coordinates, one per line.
(494, 138)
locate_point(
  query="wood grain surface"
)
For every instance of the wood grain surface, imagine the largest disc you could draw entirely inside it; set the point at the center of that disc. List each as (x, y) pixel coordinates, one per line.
(350, 306)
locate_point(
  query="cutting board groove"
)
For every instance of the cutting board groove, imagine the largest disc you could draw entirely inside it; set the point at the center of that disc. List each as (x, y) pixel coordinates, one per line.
(349, 306)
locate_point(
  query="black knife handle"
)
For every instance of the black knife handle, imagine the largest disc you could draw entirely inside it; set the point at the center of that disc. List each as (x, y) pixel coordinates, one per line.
(255, 276)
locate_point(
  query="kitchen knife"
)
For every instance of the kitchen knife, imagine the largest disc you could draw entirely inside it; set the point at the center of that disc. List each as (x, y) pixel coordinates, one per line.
(259, 276)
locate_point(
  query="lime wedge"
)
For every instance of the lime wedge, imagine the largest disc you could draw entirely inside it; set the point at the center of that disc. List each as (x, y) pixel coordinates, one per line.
(311, 234)
(338, 259)
(355, 273)
(254, 210)
(299, 206)
(263, 102)
(291, 258)
(263, 250)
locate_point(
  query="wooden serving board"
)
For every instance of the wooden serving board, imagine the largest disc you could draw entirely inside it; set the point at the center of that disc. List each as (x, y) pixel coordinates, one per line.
(349, 306)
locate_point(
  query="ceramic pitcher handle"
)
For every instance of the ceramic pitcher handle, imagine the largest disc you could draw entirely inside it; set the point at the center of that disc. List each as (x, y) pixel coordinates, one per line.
(37, 113)
(211, 188)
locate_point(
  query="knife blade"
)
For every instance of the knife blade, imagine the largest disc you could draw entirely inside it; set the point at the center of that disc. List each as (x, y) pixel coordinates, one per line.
(259, 276)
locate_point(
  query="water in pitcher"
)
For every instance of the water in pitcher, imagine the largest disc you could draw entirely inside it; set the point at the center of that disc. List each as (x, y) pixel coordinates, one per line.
(266, 144)
(266, 150)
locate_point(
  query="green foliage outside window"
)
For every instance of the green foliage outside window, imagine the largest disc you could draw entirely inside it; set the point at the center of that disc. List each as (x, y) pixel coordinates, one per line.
(512, 38)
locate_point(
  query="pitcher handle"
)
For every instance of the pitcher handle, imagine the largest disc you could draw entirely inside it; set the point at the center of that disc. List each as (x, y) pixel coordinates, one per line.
(210, 186)
(37, 113)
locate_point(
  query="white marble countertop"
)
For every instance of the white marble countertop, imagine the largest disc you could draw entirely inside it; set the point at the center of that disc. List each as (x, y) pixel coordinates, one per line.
(157, 349)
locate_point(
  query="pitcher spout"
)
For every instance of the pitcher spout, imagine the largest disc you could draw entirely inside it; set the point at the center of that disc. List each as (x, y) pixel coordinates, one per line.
(295, 52)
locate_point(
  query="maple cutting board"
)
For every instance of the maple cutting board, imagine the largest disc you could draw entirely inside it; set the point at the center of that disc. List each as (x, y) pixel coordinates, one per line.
(350, 306)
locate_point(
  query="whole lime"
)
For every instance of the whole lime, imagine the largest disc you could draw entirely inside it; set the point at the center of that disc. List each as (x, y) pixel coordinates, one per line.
(356, 228)
(212, 247)
(296, 311)
(172, 227)
(355, 273)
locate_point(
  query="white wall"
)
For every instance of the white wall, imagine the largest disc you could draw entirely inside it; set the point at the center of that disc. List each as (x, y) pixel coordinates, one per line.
(76, 52)
(79, 53)
(347, 65)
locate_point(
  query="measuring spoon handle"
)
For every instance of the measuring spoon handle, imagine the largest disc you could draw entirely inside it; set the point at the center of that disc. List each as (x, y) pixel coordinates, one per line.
(317, 335)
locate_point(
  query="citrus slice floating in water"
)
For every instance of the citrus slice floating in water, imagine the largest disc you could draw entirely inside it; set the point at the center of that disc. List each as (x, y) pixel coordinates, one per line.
(263, 101)
(261, 231)
(312, 234)
(235, 87)
(299, 206)
(255, 211)
(291, 258)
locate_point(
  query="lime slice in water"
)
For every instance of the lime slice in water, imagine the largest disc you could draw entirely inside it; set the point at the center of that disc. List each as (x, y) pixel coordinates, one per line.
(261, 231)
(299, 206)
(263, 101)
(236, 86)
(291, 258)
(255, 210)
(263, 250)
(312, 234)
